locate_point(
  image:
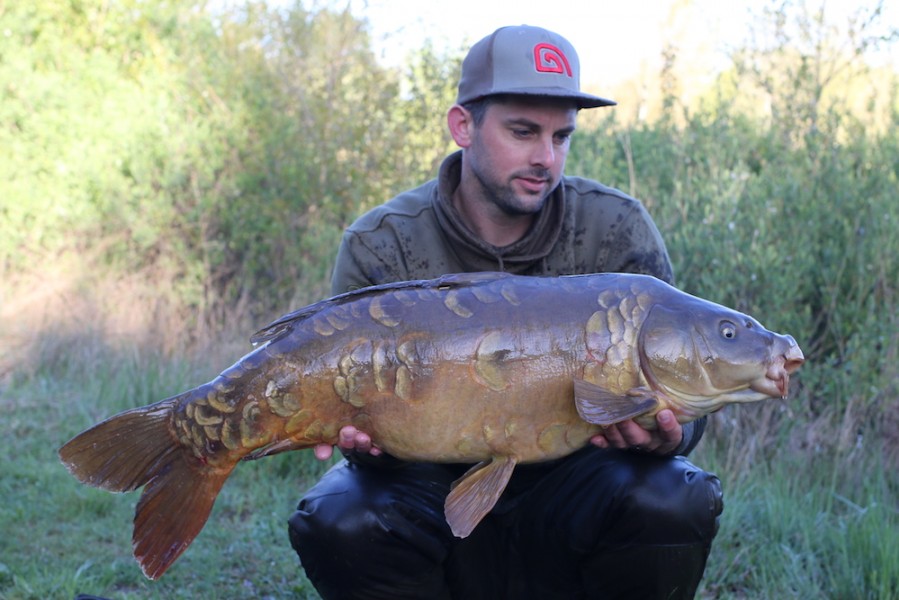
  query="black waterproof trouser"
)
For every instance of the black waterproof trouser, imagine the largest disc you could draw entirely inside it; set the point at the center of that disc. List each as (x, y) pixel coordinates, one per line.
(596, 524)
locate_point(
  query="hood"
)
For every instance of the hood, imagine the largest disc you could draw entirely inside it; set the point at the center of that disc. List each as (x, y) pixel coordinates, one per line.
(476, 254)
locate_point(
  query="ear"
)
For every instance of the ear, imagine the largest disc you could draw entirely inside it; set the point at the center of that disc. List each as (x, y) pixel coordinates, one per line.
(461, 125)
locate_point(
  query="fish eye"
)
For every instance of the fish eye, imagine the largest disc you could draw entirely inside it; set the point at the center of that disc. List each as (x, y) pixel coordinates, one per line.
(727, 330)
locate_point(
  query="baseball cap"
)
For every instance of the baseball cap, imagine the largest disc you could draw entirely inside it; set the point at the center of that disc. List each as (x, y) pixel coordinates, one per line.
(524, 60)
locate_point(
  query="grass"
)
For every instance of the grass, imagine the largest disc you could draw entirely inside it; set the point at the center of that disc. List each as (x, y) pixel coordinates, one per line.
(62, 538)
(799, 528)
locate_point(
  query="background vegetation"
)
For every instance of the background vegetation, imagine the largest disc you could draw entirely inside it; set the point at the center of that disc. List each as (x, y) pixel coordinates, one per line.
(174, 176)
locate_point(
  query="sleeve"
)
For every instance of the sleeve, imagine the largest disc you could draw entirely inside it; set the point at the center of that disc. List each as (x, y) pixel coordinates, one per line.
(638, 247)
(348, 274)
(368, 258)
(692, 434)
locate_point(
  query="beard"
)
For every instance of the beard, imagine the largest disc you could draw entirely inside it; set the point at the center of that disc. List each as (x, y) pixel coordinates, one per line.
(501, 193)
(503, 196)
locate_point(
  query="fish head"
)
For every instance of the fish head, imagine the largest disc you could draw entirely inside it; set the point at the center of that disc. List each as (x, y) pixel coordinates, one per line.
(702, 356)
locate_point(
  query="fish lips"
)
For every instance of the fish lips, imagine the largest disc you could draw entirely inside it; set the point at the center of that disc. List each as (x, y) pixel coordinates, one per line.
(776, 381)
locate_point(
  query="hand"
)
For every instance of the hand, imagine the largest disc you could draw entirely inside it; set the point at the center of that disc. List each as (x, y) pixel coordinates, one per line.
(629, 435)
(349, 438)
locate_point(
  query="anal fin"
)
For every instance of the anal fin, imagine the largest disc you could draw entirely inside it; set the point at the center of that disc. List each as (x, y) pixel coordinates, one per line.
(475, 494)
(601, 407)
(278, 447)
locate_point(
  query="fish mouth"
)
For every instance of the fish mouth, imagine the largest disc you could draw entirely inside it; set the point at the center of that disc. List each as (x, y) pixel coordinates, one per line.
(776, 381)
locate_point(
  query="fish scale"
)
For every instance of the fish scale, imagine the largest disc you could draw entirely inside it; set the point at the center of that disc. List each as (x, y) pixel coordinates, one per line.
(484, 368)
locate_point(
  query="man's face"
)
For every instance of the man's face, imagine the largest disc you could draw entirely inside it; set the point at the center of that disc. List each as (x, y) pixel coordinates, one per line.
(518, 153)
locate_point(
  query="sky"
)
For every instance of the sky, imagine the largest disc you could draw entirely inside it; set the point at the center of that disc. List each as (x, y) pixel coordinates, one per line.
(613, 39)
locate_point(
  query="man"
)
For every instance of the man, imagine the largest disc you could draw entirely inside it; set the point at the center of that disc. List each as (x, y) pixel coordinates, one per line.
(626, 517)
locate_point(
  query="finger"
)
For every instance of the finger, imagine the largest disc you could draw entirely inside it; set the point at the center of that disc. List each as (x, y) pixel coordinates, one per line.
(625, 434)
(599, 440)
(362, 442)
(635, 436)
(323, 451)
(346, 439)
(670, 432)
(669, 429)
(613, 437)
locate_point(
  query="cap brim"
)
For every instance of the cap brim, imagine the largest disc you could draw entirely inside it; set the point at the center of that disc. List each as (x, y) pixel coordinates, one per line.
(581, 99)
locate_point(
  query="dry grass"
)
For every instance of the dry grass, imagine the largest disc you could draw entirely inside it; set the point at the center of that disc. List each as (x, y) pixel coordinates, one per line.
(67, 305)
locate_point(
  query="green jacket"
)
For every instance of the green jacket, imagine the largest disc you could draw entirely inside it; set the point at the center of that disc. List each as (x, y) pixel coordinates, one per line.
(585, 227)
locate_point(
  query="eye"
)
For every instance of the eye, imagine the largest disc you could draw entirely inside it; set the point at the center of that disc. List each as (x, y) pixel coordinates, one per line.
(727, 330)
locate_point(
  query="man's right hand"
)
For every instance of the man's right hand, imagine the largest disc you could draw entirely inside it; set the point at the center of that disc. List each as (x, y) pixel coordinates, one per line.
(349, 439)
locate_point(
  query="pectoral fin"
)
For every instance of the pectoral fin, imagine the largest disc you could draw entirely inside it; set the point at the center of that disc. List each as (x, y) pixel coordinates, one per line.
(601, 407)
(475, 493)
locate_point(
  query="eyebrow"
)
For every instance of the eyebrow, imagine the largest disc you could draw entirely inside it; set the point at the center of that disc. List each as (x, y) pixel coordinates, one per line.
(524, 122)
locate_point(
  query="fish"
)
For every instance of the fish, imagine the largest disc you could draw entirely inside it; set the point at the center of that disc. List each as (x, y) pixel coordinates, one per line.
(490, 369)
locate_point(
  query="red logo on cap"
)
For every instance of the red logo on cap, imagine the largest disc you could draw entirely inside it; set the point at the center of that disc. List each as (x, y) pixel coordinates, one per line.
(549, 59)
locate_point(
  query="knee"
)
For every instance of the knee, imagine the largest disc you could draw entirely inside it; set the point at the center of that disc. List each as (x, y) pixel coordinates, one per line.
(672, 501)
(338, 513)
(365, 512)
(360, 534)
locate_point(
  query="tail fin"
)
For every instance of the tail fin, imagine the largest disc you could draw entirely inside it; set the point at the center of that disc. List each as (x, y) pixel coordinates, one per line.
(137, 448)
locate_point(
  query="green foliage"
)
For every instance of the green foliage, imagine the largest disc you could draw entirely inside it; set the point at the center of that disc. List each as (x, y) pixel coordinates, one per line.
(420, 131)
(220, 153)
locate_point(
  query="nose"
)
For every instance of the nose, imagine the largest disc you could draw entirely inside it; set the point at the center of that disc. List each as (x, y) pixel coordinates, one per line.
(544, 154)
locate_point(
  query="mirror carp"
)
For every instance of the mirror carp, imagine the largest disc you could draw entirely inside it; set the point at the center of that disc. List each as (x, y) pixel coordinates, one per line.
(485, 368)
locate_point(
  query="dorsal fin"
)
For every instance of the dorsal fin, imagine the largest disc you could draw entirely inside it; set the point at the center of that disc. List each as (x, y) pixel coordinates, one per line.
(453, 281)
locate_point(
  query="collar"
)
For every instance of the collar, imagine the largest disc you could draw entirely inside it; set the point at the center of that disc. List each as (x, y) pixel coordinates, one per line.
(476, 254)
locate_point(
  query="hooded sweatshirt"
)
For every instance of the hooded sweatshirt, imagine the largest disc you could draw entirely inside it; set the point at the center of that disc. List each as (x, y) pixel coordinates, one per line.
(583, 227)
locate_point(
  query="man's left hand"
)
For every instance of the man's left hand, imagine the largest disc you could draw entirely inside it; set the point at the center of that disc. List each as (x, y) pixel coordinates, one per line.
(349, 439)
(627, 435)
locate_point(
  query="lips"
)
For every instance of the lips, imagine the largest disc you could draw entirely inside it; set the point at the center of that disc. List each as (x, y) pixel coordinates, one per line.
(777, 377)
(533, 184)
